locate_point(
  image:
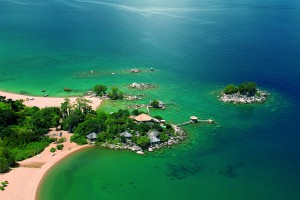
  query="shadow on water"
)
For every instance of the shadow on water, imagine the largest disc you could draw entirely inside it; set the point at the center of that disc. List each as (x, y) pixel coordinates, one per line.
(183, 171)
(230, 170)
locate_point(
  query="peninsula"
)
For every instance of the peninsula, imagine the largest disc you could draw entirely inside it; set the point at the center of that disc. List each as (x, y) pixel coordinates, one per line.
(28, 144)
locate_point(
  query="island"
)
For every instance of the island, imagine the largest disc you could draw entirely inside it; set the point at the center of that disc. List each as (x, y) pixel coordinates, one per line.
(246, 92)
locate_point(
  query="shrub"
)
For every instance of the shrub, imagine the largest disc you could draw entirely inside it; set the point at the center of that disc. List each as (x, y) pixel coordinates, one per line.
(52, 150)
(61, 140)
(60, 146)
(2, 188)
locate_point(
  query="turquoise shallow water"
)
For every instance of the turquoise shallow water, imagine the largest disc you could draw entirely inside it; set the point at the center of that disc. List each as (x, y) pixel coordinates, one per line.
(195, 47)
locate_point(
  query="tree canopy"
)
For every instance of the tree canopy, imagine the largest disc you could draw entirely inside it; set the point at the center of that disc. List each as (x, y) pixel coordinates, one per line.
(246, 88)
(100, 90)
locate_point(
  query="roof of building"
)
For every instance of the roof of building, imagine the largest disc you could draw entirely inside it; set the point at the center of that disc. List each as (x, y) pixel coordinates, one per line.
(154, 139)
(92, 135)
(143, 118)
(153, 133)
(126, 134)
(193, 118)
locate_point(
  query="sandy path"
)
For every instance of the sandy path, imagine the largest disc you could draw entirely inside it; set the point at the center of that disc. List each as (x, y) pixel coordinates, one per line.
(24, 181)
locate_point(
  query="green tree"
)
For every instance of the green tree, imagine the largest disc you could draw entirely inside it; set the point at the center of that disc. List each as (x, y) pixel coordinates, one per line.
(154, 103)
(7, 159)
(247, 88)
(115, 94)
(135, 112)
(231, 89)
(82, 104)
(46, 118)
(78, 139)
(100, 89)
(65, 108)
(72, 121)
(143, 142)
(90, 125)
(164, 137)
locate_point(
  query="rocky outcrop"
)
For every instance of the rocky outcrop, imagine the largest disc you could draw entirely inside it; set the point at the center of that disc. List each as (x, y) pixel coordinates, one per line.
(135, 70)
(259, 97)
(142, 86)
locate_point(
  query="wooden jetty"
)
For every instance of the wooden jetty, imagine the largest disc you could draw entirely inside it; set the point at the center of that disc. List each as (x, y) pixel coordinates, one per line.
(194, 120)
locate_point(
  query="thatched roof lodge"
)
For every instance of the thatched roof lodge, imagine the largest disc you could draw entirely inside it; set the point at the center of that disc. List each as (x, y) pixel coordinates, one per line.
(143, 118)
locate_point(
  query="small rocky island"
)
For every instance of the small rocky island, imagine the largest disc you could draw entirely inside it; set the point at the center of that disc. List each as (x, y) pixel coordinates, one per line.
(142, 86)
(246, 92)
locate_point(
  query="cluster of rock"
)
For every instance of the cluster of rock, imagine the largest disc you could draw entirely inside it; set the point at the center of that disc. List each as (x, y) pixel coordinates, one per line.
(142, 86)
(133, 147)
(131, 97)
(135, 70)
(87, 74)
(136, 106)
(259, 97)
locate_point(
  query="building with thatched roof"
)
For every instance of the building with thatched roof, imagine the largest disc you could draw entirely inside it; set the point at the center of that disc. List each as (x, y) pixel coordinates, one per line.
(143, 118)
(92, 137)
(194, 119)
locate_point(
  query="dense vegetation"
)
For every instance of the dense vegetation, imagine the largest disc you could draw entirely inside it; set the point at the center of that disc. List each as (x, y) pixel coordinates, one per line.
(115, 93)
(22, 130)
(246, 88)
(109, 127)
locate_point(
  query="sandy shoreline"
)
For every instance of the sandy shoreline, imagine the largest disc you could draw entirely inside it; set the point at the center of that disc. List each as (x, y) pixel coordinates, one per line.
(43, 102)
(24, 180)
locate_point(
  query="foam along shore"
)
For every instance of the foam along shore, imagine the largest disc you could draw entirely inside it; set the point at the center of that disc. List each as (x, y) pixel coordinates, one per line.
(43, 102)
(24, 180)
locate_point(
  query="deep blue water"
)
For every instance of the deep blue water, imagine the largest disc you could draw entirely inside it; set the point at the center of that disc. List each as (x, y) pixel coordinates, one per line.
(196, 47)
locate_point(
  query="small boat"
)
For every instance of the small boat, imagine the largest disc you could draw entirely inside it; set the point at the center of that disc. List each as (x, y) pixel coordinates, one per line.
(44, 90)
(46, 95)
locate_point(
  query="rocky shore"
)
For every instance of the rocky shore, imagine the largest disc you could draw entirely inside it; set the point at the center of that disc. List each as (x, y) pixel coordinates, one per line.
(133, 147)
(237, 98)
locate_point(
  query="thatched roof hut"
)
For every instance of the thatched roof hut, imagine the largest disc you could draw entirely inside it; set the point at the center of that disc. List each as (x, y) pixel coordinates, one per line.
(194, 118)
(143, 118)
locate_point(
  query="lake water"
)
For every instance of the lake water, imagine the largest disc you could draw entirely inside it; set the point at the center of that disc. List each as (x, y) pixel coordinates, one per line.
(195, 48)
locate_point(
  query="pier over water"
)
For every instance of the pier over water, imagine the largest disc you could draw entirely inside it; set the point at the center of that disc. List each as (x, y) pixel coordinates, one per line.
(195, 120)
